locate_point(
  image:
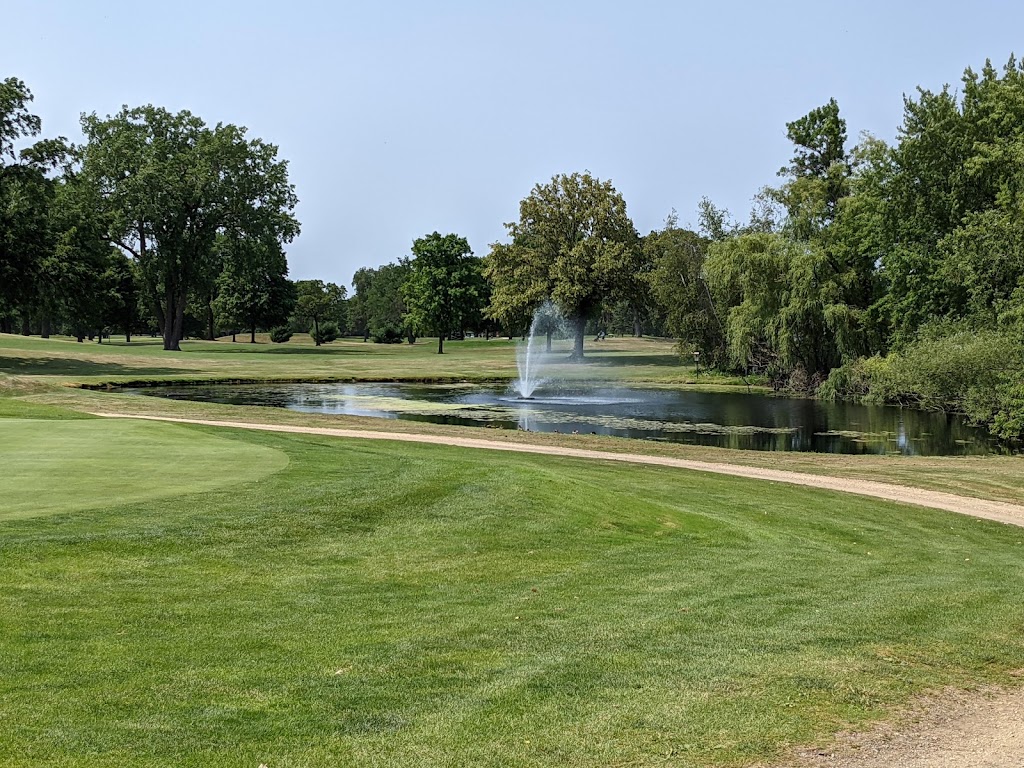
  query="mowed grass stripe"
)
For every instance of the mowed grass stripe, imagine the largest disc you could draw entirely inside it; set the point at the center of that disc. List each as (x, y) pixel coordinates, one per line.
(420, 605)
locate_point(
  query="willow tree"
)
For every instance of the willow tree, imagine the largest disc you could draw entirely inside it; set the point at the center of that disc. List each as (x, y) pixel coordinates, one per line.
(573, 243)
(169, 185)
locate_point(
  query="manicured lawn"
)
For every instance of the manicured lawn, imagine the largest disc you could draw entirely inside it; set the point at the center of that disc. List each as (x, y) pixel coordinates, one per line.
(388, 604)
(63, 359)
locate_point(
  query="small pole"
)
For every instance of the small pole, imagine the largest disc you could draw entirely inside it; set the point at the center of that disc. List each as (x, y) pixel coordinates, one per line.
(696, 364)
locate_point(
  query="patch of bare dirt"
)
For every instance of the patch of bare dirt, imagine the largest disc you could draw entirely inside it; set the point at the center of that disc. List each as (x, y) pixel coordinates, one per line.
(951, 730)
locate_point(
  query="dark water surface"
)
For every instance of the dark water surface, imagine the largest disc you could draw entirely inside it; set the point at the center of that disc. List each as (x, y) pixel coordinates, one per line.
(727, 419)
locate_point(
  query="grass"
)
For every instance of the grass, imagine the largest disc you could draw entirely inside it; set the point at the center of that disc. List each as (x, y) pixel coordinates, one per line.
(414, 605)
(64, 361)
(194, 596)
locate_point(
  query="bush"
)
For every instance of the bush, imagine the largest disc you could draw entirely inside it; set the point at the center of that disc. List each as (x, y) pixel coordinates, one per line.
(280, 334)
(952, 368)
(328, 332)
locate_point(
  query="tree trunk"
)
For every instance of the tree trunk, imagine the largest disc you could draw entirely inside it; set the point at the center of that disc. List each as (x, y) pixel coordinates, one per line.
(440, 343)
(252, 335)
(316, 331)
(366, 335)
(411, 337)
(209, 322)
(638, 327)
(26, 329)
(174, 321)
(99, 336)
(548, 348)
(577, 345)
(487, 334)
(233, 334)
(44, 329)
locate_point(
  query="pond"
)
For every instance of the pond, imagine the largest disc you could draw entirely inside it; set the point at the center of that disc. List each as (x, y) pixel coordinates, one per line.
(726, 419)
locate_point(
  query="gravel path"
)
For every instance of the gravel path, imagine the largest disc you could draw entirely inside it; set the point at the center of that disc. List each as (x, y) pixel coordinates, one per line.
(955, 730)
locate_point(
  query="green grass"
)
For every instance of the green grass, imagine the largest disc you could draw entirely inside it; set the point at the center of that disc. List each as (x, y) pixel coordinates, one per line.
(389, 604)
(64, 360)
(69, 465)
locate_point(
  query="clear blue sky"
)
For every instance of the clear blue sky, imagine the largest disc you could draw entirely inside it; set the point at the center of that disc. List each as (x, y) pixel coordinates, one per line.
(401, 118)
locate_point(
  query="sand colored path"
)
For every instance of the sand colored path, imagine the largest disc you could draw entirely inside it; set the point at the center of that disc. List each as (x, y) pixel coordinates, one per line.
(952, 731)
(1002, 512)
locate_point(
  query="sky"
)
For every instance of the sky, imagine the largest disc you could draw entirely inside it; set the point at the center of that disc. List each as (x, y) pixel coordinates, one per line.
(399, 119)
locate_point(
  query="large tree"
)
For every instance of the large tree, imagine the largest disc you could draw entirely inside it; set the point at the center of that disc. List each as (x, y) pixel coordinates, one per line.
(444, 287)
(26, 193)
(574, 243)
(168, 185)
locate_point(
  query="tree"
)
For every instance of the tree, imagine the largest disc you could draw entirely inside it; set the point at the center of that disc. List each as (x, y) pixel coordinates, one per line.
(678, 282)
(168, 186)
(443, 290)
(253, 289)
(387, 314)
(318, 302)
(573, 243)
(25, 196)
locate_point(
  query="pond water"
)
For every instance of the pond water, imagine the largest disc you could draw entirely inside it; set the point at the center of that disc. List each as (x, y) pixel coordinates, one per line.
(727, 419)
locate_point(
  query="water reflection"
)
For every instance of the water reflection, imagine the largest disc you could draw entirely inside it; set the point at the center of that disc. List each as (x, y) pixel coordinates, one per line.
(727, 419)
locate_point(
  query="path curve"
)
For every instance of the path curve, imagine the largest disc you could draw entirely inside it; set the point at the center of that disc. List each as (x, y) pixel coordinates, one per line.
(1003, 512)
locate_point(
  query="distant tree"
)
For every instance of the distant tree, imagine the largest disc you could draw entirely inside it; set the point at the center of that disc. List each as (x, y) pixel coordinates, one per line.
(121, 299)
(317, 302)
(573, 243)
(444, 287)
(385, 304)
(678, 281)
(253, 289)
(359, 304)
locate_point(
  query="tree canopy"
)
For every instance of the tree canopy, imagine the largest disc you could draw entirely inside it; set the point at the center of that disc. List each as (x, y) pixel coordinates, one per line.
(574, 244)
(167, 185)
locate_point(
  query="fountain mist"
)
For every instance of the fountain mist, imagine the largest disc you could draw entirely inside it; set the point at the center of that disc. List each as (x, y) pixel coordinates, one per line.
(529, 356)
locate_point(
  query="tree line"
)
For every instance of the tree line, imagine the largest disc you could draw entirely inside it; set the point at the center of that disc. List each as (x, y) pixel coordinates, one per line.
(891, 272)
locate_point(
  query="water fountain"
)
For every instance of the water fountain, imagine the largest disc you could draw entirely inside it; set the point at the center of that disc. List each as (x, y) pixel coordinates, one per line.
(529, 358)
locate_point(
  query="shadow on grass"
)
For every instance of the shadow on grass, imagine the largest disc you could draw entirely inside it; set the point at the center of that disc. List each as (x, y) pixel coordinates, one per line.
(614, 358)
(240, 348)
(58, 366)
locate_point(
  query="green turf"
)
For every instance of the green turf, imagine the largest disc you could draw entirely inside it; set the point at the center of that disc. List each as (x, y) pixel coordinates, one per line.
(409, 605)
(63, 466)
(621, 359)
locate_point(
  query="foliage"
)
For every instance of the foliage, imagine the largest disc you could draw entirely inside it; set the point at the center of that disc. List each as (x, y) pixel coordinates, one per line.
(444, 288)
(951, 367)
(325, 333)
(679, 284)
(167, 186)
(573, 243)
(280, 334)
(318, 303)
(253, 290)
(387, 316)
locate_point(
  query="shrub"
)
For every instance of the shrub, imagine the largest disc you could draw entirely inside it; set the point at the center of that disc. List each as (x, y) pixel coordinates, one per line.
(280, 334)
(328, 332)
